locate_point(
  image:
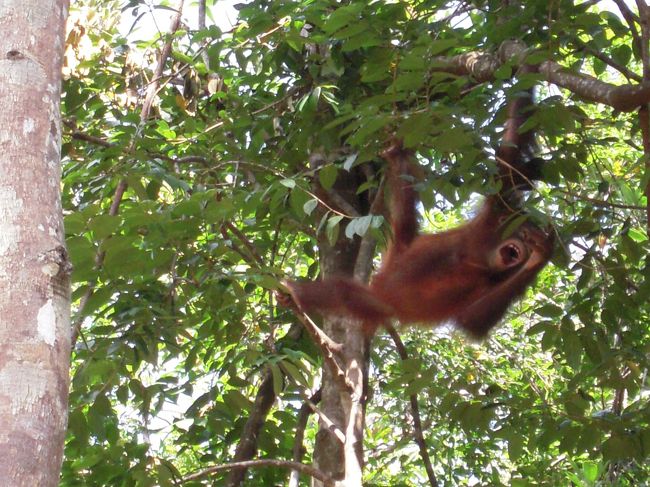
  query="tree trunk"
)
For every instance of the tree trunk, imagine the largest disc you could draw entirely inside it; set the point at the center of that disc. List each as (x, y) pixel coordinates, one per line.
(34, 269)
(345, 408)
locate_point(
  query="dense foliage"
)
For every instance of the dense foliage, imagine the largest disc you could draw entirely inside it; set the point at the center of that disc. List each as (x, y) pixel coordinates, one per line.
(177, 325)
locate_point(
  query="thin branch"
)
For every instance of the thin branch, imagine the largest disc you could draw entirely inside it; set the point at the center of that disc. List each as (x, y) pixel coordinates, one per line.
(247, 243)
(609, 61)
(328, 348)
(122, 185)
(76, 134)
(301, 467)
(325, 420)
(363, 265)
(415, 411)
(201, 19)
(184, 159)
(301, 426)
(288, 95)
(244, 255)
(341, 202)
(99, 261)
(644, 122)
(631, 20)
(644, 20)
(602, 203)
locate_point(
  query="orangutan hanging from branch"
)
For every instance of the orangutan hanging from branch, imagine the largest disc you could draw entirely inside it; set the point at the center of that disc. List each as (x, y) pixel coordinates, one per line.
(469, 275)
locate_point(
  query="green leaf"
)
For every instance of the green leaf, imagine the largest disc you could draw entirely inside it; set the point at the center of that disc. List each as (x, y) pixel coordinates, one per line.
(298, 199)
(74, 223)
(332, 230)
(352, 30)
(622, 54)
(619, 447)
(289, 183)
(358, 226)
(549, 310)
(295, 373)
(368, 127)
(327, 176)
(409, 81)
(438, 46)
(515, 447)
(82, 254)
(342, 16)
(599, 66)
(104, 225)
(278, 379)
(78, 426)
(310, 206)
(452, 140)
(590, 471)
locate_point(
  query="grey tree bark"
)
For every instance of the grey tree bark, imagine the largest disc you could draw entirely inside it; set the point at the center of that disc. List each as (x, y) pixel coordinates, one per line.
(34, 268)
(345, 408)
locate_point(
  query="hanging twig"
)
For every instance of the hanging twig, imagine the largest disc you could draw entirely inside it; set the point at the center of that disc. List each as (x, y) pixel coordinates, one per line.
(415, 411)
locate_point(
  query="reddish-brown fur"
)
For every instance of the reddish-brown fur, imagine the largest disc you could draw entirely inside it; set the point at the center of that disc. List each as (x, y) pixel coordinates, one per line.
(468, 276)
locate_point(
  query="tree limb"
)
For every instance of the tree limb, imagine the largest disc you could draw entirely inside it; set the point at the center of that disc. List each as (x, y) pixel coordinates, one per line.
(264, 399)
(608, 60)
(482, 67)
(301, 425)
(415, 412)
(328, 348)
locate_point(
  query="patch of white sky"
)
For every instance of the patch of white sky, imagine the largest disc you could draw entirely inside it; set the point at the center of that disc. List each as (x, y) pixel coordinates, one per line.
(148, 20)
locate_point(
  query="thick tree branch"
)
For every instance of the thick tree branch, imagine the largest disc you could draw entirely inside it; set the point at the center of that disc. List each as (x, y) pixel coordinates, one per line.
(624, 98)
(482, 66)
(247, 446)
